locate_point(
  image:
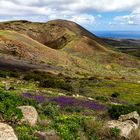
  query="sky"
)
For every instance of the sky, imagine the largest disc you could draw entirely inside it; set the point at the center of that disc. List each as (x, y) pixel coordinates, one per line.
(92, 14)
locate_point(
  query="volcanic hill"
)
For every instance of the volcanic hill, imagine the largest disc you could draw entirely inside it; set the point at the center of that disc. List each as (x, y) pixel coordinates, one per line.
(62, 47)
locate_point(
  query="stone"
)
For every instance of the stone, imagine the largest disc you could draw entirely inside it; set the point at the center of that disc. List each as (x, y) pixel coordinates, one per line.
(61, 94)
(41, 135)
(7, 88)
(30, 115)
(91, 99)
(49, 135)
(126, 123)
(7, 132)
(45, 123)
(134, 116)
(126, 127)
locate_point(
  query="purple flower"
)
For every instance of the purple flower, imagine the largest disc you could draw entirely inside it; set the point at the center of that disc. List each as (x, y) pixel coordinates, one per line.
(63, 101)
(27, 95)
(70, 101)
(94, 105)
(38, 98)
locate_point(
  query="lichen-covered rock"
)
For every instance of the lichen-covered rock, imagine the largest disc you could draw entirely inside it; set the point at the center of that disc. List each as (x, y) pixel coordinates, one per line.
(30, 115)
(126, 127)
(134, 116)
(7, 132)
(126, 123)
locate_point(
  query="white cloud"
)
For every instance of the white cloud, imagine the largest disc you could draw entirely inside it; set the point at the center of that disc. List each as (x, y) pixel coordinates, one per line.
(99, 16)
(131, 19)
(75, 10)
(83, 19)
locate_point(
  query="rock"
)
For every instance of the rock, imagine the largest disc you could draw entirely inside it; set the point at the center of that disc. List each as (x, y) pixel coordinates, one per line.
(7, 88)
(45, 123)
(50, 92)
(134, 116)
(30, 115)
(41, 135)
(49, 135)
(126, 127)
(61, 94)
(91, 99)
(7, 132)
(126, 123)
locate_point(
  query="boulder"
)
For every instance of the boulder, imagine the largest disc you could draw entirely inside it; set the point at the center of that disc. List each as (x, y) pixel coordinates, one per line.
(134, 116)
(126, 123)
(30, 115)
(126, 127)
(7, 132)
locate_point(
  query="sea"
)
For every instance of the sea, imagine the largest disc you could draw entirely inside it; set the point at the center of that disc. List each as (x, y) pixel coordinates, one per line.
(118, 34)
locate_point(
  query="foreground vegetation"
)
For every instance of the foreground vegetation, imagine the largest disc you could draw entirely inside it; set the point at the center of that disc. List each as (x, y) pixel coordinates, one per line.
(74, 108)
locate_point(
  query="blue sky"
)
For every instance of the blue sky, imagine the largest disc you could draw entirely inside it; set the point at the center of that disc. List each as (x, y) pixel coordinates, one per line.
(92, 14)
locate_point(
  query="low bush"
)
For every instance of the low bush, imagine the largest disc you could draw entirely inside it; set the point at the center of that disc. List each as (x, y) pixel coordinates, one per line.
(8, 109)
(51, 110)
(68, 127)
(116, 110)
(9, 112)
(115, 132)
(56, 83)
(5, 74)
(26, 132)
(73, 109)
(102, 98)
(115, 95)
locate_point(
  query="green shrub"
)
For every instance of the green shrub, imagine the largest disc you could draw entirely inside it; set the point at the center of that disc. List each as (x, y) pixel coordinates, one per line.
(9, 112)
(25, 132)
(56, 83)
(52, 110)
(8, 109)
(116, 110)
(115, 95)
(68, 127)
(73, 109)
(4, 74)
(102, 98)
(115, 132)
(33, 76)
(15, 74)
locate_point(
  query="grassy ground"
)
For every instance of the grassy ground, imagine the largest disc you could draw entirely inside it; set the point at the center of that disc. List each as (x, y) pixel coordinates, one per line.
(73, 106)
